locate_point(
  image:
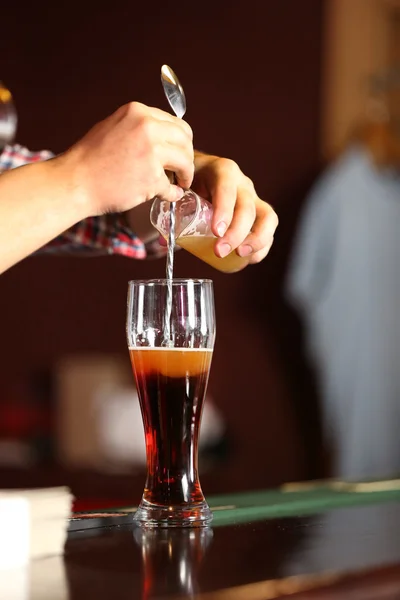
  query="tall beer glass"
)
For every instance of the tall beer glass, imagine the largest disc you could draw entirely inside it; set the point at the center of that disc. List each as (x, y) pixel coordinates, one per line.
(171, 377)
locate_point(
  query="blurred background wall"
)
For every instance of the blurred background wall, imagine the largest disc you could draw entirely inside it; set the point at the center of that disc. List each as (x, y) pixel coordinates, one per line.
(361, 38)
(252, 76)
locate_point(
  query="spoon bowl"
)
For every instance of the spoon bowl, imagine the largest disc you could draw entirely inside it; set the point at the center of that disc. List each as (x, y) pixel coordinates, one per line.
(173, 91)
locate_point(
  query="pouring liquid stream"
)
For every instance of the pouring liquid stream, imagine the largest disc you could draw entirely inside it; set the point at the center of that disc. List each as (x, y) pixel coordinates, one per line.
(168, 341)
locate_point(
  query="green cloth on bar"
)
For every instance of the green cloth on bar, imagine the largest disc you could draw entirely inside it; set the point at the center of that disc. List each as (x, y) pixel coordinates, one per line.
(294, 500)
(230, 509)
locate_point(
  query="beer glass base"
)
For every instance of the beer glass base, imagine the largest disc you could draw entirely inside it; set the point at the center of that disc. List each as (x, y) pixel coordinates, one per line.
(153, 515)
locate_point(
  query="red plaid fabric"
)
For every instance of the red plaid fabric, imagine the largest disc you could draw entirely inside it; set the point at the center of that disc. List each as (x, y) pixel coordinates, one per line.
(106, 234)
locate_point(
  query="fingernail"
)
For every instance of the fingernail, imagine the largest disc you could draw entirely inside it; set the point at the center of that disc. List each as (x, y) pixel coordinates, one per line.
(221, 228)
(179, 193)
(224, 250)
(245, 250)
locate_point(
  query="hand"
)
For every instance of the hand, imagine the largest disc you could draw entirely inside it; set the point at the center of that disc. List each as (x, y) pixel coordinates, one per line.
(241, 220)
(121, 162)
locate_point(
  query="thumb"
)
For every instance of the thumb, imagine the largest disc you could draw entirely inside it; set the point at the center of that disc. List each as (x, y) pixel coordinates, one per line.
(171, 192)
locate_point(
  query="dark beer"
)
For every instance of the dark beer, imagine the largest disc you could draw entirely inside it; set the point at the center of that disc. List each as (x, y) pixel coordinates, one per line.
(171, 383)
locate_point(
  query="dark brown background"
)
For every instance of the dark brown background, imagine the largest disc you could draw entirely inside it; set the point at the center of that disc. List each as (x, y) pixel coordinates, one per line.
(251, 72)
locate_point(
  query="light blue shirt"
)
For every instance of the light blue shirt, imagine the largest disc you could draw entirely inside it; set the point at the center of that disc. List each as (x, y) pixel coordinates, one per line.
(345, 280)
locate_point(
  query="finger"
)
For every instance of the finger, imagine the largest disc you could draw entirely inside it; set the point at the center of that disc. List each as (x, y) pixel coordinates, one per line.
(173, 133)
(182, 125)
(167, 191)
(262, 232)
(241, 225)
(134, 110)
(223, 200)
(223, 189)
(179, 161)
(136, 113)
(261, 254)
(161, 115)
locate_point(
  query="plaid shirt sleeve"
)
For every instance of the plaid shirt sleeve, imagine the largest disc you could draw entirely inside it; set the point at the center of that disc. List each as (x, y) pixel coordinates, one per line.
(108, 234)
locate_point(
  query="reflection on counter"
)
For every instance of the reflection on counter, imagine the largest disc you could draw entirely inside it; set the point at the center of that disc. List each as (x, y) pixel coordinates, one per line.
(176, 555)
(264, 559)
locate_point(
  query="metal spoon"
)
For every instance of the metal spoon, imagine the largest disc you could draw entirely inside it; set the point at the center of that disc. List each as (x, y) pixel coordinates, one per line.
(176, 98)
(177, 101)
(175, 95)
(8, 117)
(173, 91)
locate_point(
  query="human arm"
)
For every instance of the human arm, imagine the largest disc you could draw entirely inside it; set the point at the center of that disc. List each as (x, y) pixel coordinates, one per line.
(36, 204)
(119, 164)
(93, 236)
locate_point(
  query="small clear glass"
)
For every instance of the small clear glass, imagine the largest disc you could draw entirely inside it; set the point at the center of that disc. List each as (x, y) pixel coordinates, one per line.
(193, 216)
(171, 383)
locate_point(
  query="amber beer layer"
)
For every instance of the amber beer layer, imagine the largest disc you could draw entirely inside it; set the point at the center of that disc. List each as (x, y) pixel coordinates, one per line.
(203, 248)
(171, 383)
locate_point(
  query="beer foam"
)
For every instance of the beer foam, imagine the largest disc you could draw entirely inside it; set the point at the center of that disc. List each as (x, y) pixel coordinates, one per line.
(171, 362)
(168, 349)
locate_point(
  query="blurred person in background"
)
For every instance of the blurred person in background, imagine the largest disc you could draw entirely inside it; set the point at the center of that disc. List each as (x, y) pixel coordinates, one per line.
(344, 278)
